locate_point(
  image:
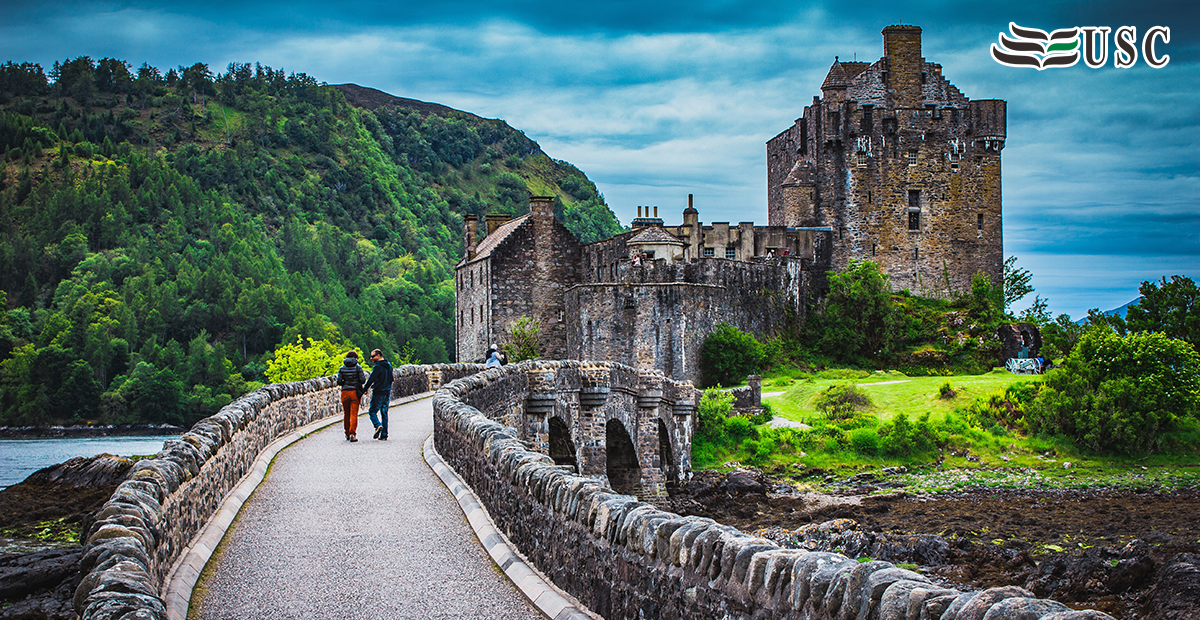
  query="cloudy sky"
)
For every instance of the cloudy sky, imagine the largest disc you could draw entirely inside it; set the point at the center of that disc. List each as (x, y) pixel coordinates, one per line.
(656, 100)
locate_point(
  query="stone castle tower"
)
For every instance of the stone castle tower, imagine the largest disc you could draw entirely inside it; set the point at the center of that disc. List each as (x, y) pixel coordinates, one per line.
(901, 166)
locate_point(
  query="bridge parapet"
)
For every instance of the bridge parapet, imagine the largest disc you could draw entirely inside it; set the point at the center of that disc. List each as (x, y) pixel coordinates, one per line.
(158, 511)
(625, 558)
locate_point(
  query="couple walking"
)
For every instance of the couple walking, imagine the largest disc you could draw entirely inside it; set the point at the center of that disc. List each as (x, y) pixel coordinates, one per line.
(354, 382)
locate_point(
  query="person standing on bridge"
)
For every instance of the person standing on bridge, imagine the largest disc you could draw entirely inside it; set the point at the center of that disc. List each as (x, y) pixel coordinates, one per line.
(351, 377)
(381, 383)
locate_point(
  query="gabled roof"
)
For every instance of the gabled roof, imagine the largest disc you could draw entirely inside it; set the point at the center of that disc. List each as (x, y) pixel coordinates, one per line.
(852, 69)
(654, 235)
(836, 77)
(801, 174)
(492, 241)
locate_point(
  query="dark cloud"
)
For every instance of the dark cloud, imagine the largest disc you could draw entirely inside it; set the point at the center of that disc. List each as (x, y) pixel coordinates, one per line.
(655, 100)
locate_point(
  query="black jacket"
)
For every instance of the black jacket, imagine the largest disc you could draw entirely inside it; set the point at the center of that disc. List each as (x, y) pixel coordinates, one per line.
(351, 376)
(381, 377)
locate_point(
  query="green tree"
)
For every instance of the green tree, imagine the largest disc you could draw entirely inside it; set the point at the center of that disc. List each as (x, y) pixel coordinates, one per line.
(1171, 308)
(728, 355)
(1119, 394)
(1016, 282)
(855, 320)
(297, 362)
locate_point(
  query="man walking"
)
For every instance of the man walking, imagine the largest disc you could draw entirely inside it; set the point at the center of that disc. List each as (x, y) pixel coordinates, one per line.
(381, 381)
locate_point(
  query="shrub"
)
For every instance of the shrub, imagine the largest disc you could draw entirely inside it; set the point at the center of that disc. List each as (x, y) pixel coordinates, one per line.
(712, 413)
(857, 316)
(524, 335)
(840, 396)
(1118, 394)
(946, 392)
(728, 355)
(864, 441)
(1006, 408)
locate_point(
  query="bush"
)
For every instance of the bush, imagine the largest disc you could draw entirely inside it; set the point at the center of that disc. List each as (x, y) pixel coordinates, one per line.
(864, 441)
(946, 392)
(712, 413)
(841, 396)
(855, 320)
(1006, 409)
(900, 437)
(728, 355)
(1119, 395)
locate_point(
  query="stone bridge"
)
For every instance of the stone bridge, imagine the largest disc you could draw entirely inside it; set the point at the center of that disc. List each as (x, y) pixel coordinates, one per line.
(632, 428)
(551, 451)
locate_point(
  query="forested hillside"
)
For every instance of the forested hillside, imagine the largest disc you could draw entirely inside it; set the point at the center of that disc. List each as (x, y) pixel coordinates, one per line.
(162, 234)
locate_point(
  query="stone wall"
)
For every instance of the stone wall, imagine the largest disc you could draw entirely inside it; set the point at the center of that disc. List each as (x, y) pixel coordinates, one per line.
(624, 558)
(657, 315)
(166, 500)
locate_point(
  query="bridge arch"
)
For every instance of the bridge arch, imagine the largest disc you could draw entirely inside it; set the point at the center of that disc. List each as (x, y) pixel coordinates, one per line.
(562, 449)
(621, 463)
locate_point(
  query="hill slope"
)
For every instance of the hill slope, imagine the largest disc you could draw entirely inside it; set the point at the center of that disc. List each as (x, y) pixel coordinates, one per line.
(161, 235)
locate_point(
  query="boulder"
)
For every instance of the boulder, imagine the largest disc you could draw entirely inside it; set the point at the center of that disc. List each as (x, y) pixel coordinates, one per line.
(1176, 591)
(24, 574)
(978, 607)
(1020, 608)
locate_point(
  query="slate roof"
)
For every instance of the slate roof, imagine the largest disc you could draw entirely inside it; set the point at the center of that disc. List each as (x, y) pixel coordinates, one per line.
(653, 235)
(836, 77)
(492, 241)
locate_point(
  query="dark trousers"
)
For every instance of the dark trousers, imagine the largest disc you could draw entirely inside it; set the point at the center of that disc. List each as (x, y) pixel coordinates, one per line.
(379, 403)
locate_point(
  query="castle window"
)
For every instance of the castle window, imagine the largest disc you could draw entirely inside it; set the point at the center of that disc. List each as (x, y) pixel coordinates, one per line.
(916, 253)
(867, 123)
(912, 157)
(979, 221)
(835, 121)
(730, 253)
(862, 159)
(874, 249)
(924, 76)
(914, 209)
(870, 197)
(709, 252)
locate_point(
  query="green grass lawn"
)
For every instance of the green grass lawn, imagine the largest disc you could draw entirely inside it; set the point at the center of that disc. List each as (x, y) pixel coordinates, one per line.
(973, 457)
(891, 392)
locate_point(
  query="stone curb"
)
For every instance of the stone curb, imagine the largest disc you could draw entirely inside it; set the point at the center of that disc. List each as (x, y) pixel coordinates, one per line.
(544, 595)
(177, 594)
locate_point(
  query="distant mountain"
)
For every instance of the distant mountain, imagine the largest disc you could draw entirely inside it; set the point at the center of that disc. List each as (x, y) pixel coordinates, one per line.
(1115, 311)
(162, 234)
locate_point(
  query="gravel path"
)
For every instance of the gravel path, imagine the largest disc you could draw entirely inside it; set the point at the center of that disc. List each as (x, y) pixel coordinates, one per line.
(363, 530)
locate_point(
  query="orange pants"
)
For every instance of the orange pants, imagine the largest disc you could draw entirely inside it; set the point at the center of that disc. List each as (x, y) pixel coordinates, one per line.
(350, 411)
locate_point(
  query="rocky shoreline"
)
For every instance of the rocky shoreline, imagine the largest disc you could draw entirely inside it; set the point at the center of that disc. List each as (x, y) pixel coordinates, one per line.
(1129, 554)
(38, 577)
(59, 432)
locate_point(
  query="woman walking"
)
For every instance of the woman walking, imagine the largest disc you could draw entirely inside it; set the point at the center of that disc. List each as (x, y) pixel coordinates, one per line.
(351, 377)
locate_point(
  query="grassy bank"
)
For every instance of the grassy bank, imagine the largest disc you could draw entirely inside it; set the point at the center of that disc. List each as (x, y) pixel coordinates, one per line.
(942, 446)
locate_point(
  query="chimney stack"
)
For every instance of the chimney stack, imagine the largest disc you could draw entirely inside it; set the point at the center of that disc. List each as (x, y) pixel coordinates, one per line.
(472, 224)
(541, 206)
(902, 47)
(655, 210)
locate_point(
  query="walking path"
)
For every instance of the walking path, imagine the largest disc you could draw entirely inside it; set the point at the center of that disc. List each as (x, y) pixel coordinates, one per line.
(355, 530)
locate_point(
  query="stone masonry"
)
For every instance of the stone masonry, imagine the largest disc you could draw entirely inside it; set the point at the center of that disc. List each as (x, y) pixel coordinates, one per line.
(166, 500)
(901, 166)
(521, 268)
(625, 558)
(647, 297)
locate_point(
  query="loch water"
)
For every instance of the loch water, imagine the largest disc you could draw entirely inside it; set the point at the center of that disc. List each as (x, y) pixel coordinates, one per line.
(21, 457)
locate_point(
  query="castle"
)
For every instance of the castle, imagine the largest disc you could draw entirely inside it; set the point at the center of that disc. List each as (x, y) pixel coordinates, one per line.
(901, 165)
(892, 164)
